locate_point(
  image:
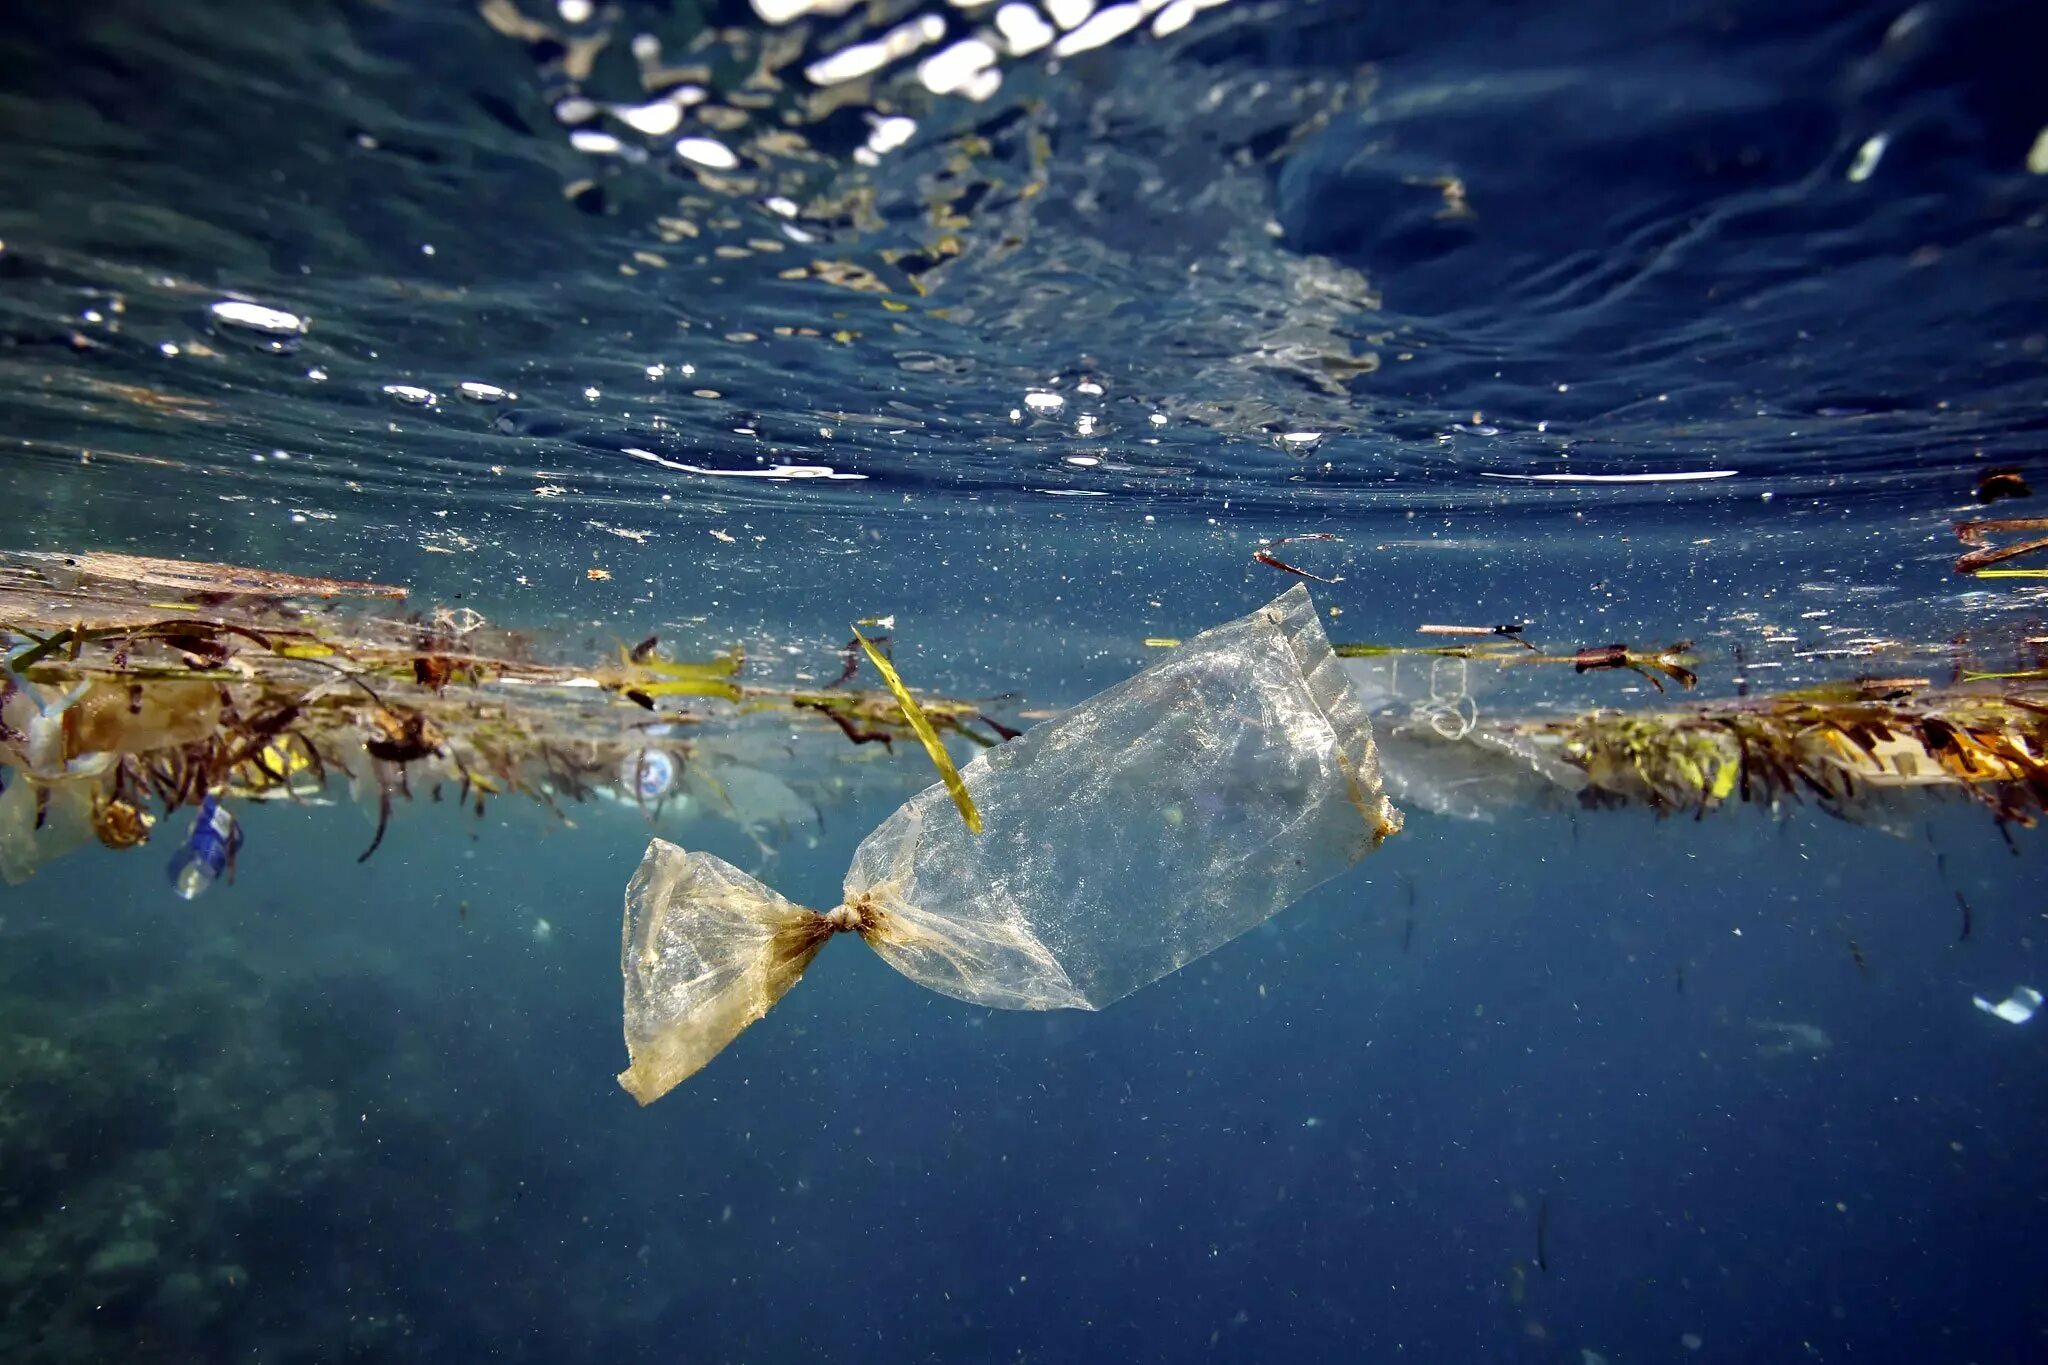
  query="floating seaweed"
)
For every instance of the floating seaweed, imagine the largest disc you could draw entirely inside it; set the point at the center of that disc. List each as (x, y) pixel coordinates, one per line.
(1512, 631)
(135, 687)
(1983, 554)
(2004, 482)
(1672, 662)
(1987, 741)
(926, 735)
(125, 697)
(1264, 555)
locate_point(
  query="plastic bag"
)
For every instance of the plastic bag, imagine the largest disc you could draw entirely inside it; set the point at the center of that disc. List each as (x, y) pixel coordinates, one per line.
(1139, 830)
(46, 799)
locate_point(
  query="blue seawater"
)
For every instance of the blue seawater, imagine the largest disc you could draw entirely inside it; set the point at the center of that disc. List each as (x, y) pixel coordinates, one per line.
(1624, 322)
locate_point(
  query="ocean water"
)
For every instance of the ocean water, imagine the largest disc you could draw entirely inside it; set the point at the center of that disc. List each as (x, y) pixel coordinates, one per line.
(1640, 323)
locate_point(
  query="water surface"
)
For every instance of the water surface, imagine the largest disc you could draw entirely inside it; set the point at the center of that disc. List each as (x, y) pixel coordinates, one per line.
(1623, 322)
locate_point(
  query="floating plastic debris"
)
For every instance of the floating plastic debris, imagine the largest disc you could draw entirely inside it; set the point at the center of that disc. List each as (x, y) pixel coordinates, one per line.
(209, 850)
(1788, 1039)
(134, 687)
(1136, 832)
(649, 775)
(2017, 1008)
(413, 394)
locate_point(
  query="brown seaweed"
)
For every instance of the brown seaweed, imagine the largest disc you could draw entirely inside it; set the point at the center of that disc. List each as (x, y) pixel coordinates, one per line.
(1265, 556)
(1983, 554)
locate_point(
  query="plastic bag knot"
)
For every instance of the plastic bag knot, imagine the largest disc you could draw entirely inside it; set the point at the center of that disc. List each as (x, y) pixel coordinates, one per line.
(855, 917)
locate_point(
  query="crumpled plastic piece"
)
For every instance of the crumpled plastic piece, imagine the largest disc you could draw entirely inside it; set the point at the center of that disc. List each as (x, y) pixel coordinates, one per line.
(1124, 839)
(45, 807)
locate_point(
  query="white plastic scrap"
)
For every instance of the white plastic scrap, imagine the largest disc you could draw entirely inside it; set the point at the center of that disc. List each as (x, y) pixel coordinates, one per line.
(2016, 1008)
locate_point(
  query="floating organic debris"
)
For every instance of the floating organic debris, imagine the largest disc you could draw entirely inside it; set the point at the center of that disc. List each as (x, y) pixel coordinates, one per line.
(1983, 554)
(1837, 748)
(1510, 631)
(134, 687)
(1265, 556)
(1671, 662)
(2005, 482)
(926, 736)
(96, 570)
(852, 655)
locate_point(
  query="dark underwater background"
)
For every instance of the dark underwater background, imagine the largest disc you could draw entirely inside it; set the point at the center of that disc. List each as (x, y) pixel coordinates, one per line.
(1557, 1086)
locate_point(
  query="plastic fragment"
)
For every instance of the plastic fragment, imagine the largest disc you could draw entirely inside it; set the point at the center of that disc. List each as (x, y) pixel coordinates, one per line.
(209, 850)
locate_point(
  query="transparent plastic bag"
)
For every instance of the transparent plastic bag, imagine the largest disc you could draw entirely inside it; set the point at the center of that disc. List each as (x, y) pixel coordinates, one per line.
(1139, 830)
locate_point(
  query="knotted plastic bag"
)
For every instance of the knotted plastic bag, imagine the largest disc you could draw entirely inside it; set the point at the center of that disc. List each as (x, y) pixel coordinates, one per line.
(1137, 831)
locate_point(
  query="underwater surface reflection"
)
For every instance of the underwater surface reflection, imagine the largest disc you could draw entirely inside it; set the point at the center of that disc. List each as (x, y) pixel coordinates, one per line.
(451, 446)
